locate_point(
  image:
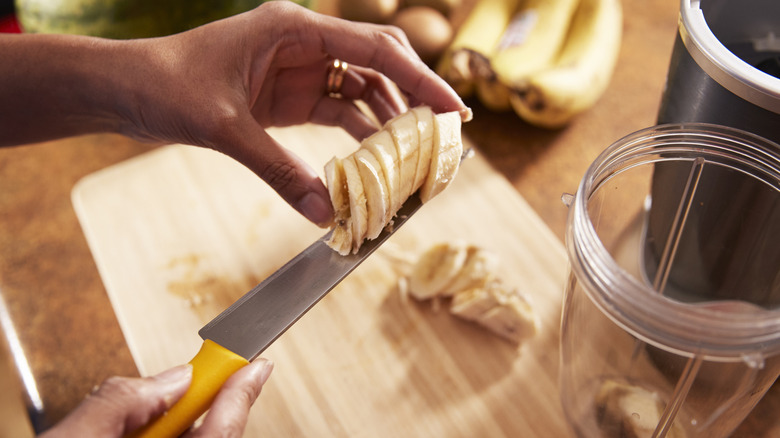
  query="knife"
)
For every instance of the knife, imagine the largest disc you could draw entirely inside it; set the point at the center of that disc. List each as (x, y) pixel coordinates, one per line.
(245, 329)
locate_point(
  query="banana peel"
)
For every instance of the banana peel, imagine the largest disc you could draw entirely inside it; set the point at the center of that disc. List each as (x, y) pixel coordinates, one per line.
(478, 36)
(531, 42)
(552, 97)
(551, 60)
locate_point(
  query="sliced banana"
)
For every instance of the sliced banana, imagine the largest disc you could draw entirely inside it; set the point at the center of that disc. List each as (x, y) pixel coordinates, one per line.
(425, 129)
(479, 269)
(341, 238)
(445, 157)
(414, 150)
(381, 144)
(337, 188)
(630, 410)
(472, 303)
(375, 192)
(435, 269)
(468, 274)
(407, 142)
(357, 202)
(501, 310)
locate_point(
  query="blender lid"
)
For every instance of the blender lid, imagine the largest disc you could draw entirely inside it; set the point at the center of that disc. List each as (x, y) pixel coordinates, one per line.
(721, 64)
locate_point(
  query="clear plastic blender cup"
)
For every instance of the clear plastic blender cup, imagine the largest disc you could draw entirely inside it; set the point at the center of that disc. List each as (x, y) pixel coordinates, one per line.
(645, 353)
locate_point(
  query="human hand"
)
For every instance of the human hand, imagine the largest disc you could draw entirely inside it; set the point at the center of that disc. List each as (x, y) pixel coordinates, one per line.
(221, 85)
(121, 405)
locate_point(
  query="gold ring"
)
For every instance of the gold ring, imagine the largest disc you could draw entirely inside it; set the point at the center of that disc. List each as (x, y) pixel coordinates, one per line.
(336, 72)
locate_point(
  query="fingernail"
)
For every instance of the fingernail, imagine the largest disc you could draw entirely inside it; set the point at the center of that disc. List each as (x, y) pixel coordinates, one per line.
(175, 374)
(265, 370)
(316, 209)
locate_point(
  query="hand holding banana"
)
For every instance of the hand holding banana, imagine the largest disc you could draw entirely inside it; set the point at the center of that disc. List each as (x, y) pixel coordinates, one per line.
(548, 60)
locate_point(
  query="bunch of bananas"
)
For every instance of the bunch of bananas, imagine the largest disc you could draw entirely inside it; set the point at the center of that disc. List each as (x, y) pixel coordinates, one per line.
(548, 60)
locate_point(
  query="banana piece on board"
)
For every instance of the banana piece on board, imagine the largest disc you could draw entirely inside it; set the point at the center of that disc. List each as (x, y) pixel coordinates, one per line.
(468, 274)
(478, 270)
(436, 268)
(631, 411)
(414, 150)
(551, 97)
(501, 310)
(531, 42)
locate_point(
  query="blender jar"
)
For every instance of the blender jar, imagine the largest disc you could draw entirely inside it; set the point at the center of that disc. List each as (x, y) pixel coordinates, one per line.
(648, 354)
(725, 66)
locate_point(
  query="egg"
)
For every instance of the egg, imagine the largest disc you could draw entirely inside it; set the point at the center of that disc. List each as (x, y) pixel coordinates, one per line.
(428, 30)
(372, 11)
(443, 6)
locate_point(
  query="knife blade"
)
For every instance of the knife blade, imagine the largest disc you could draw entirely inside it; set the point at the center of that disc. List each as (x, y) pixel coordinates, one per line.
(258, 318)
(241, 332)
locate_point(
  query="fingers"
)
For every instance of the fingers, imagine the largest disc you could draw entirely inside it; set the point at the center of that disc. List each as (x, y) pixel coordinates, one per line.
(382, 48)
(227, 416)
(345, 114)
(121, 404)
(292, 178)
(375, 89)
(385, 49)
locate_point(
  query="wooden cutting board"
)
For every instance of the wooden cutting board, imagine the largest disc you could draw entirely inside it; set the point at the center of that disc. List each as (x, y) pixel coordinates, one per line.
(179, 233)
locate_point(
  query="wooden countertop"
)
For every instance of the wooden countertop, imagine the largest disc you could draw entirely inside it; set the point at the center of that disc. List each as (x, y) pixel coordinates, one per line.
(57, 301)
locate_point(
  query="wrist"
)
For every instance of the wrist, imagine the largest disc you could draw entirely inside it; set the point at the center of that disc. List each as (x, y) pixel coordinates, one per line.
(64, 85)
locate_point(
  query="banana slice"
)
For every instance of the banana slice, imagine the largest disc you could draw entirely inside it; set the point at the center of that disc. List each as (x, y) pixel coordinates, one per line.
(435, 269)
(357, 202)
(631, 411)
(407, 142)
(375, 192)
(499, 309)
(414, 150)
(341, 239)
(467, 273)
(381, 144)
(445, 156)
(479, 269)
(424, 116)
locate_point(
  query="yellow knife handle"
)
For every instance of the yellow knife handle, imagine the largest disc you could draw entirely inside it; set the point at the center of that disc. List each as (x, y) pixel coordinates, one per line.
(211, 367)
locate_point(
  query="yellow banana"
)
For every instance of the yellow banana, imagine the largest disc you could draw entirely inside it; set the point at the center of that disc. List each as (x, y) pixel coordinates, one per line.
(551, 98)
(477, 37)
(531, 42)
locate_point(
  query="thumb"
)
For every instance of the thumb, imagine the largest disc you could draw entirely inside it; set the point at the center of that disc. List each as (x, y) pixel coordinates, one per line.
(124, 404)
(292, 178)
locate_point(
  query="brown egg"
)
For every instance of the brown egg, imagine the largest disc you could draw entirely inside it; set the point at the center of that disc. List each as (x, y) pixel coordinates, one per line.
(429, 31)
(443, 6)
(372, 11)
